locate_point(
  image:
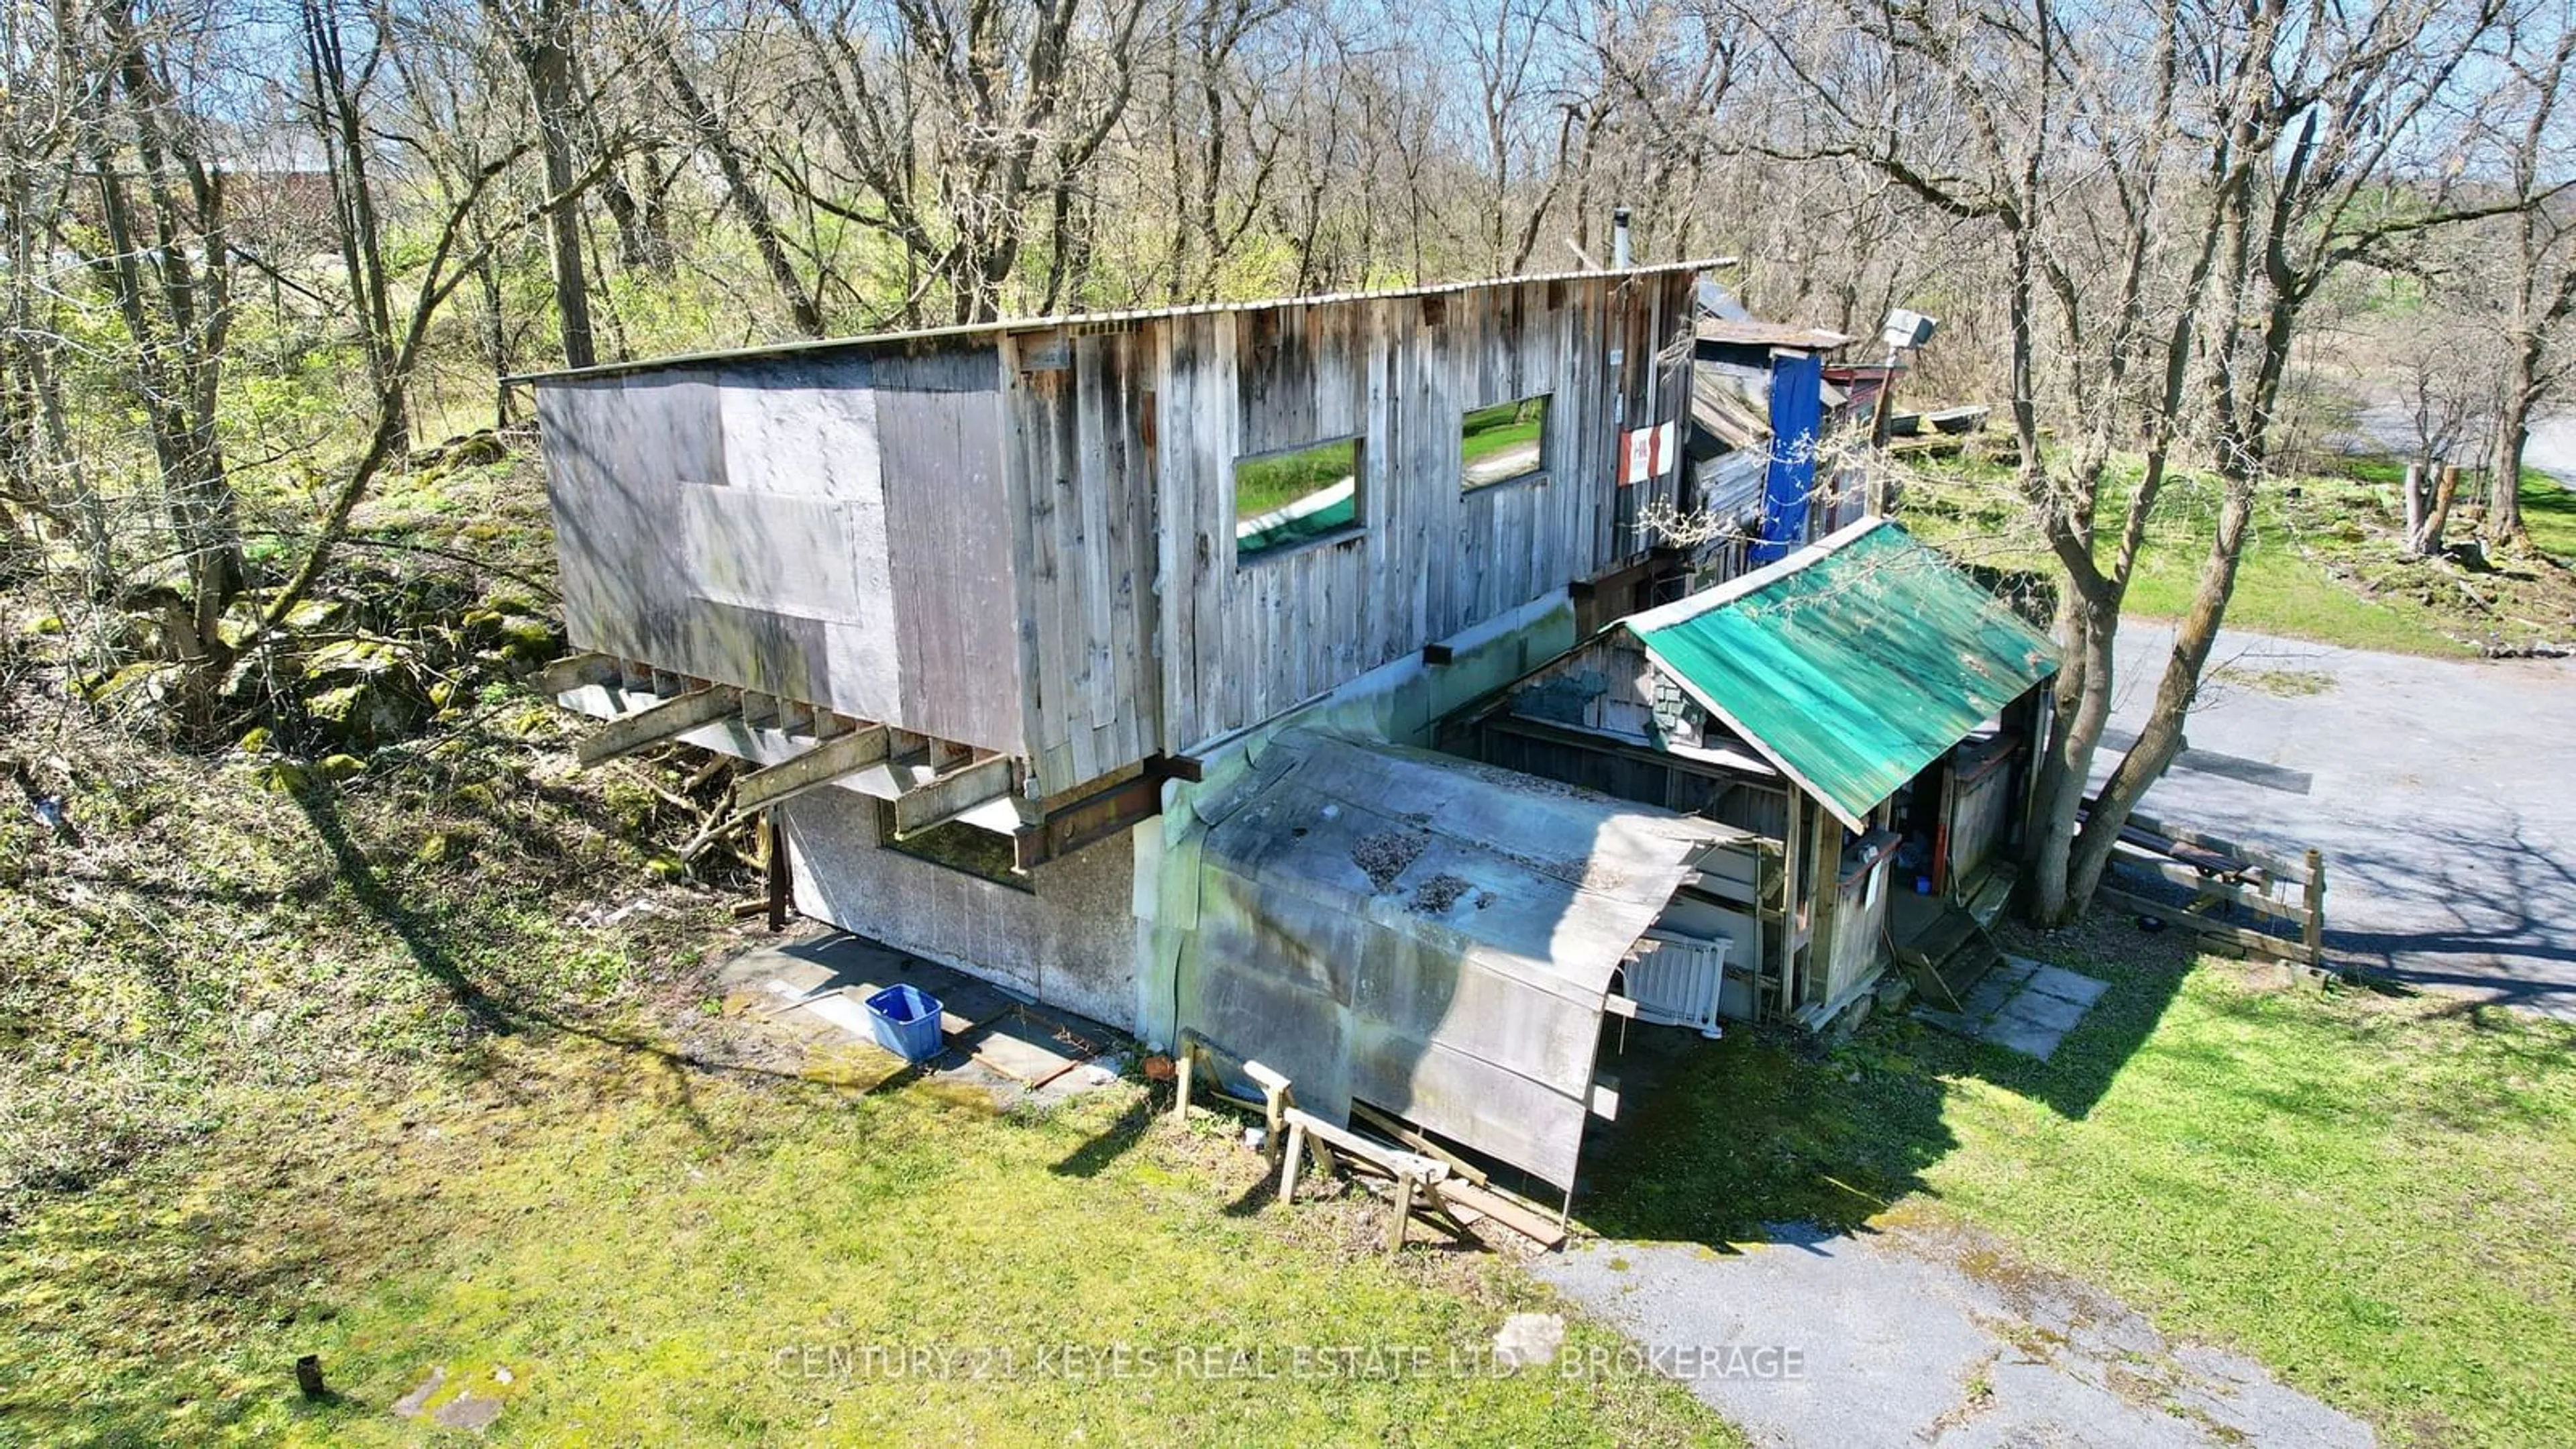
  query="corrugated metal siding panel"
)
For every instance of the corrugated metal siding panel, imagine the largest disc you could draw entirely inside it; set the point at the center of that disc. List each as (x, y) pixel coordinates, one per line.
(1471, 1006)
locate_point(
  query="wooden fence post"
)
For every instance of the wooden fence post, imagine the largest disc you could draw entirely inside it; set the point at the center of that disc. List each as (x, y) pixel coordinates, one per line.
(1181, 1086)
(1403, 1211)
(2313, 932)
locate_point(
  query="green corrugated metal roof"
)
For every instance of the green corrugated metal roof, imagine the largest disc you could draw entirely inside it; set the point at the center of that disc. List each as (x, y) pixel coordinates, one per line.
(1853, 664)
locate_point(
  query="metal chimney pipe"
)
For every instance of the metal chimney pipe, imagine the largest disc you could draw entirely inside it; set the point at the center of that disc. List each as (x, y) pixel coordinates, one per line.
(1618, 236)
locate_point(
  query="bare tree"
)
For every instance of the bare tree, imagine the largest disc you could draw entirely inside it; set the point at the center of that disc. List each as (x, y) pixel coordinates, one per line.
(2539, 260)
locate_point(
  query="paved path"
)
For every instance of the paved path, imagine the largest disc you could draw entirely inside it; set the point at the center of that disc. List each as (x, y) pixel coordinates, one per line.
(1925, 1334)
(2442, 792)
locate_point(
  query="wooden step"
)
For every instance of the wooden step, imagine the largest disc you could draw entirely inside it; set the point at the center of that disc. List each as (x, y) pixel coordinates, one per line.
(1992, 894)
(1947, 931)
(1968, 965)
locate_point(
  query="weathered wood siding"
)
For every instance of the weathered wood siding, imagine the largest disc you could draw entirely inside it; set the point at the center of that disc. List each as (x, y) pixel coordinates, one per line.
(1146, 634)
(830, 527)
(1022, 538)
(1081, 482)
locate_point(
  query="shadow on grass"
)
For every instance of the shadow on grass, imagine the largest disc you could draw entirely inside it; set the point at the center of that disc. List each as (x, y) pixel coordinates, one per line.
(1108, 1145)
(1735, 1140)
(418, 934)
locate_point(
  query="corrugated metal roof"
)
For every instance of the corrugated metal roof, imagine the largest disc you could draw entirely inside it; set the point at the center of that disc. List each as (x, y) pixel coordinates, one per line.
(1427, 934)
(807, 346)
(1850, 665)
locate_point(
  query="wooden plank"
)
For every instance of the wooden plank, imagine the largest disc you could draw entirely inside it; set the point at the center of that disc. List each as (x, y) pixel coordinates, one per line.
(571, 672)
(2175, 915)
(655, 723)
(2313, 930)
(943, 796)
(1288, 1164)
(1492, 1205)
(780, 887)
(2217, 844)
(817, 767)
(1396, 1129)
(1386, 1158)
(2214, 886)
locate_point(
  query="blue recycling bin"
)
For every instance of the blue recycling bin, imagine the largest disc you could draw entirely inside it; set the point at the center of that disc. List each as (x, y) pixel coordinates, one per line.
(906, 1022)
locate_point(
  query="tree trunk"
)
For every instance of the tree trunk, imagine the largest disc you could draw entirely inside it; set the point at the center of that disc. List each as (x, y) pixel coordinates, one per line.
(2427, 539)
(747, 201)
(544, 48)
(2513, 430)
(2161, 738)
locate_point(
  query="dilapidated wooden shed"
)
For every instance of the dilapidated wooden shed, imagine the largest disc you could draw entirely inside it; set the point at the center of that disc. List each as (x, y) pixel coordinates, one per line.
(970, 602)
(1862, 708)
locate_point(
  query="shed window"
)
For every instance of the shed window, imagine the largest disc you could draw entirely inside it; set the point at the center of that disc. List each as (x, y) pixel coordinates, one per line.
(1501, 443)
(1297, 496)
(960, 847)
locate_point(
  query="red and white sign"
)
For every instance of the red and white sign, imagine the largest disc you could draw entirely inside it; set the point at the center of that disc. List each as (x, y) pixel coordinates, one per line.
(1650, 453)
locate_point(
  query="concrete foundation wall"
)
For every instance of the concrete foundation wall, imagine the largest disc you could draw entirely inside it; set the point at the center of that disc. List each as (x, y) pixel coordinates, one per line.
(1070, 941)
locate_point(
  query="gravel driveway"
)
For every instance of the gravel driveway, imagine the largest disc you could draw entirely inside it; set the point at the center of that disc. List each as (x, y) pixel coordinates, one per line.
(2441, 792)
(1924, 1334)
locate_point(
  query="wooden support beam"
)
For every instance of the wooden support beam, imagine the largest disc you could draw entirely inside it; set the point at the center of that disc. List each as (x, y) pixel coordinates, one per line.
(1159, 768)
(655, 723)
(942, 796)
(2174, 915)
(1288, 1164)
(1097, 817)
(2312, 932)
(1403, 1212)
(818, 766)
(779, 888)
(1181, 1085)
(1605, 1098)
(2213, 887)
(1392, 1127)
(1387, 1159)
(1456, 1196)
(571, 672)
(1274, 1105)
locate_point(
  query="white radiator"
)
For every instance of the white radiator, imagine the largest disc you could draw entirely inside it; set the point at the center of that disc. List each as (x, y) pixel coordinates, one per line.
(1678, 983)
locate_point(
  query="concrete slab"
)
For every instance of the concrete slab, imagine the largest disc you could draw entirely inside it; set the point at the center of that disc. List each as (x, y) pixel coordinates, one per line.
(2023, 1037)
(1028, 1048)
(2023, 1005)
(2037, 1008)
(814, 992)
(2066, 985)
(2015, 969)
(1988, 996)
(1925, 1333)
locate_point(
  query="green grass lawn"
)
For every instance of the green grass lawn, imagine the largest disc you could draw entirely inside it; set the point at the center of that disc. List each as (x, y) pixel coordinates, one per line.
(2367, 1193)
(2549, 512)
(653, 1253)
(2321, 565)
